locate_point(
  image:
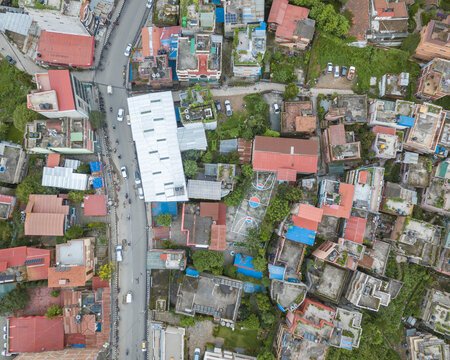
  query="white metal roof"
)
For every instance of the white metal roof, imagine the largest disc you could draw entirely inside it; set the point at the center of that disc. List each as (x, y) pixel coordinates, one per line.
(192, 137)
(64, 178)
(203, 189)
(18, 23)
(154, 130)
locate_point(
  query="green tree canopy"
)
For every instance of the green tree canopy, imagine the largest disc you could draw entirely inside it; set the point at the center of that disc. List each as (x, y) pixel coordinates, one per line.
(186, 321)
(105, 271)
(164, 220)
(23, 115)
(252, 322)
(260, 263)
(97, 119)
(190, 168)
(409, 44)
(76, 196)
(32, 185)
(278, 209)
(290, 91)
(54, 311)
(207, 260)
(15, 300)
(74, 232)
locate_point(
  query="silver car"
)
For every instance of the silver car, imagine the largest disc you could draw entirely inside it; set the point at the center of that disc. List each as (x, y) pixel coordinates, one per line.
(123, 170)
(128, 50)
(228, 110)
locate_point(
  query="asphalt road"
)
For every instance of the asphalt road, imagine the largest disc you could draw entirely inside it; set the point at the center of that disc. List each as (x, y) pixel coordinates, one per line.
(131, 217)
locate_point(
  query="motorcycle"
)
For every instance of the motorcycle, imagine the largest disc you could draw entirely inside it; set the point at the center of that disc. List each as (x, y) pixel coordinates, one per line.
(126, 196)
(110, 109)
(129, 201)
(117, 142)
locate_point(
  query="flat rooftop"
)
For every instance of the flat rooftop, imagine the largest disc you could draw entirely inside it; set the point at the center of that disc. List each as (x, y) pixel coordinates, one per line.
(290, 255)
(71, 253)
(11, 159)
(288, 294)
(331, 282)
(426, 126)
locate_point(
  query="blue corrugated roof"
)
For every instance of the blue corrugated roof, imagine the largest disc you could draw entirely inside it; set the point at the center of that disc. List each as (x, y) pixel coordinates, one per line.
(97, 183)
(220, 15)
(406, 121)
(301, 235)
(192, 272)
(250, 288)
(95, 166)
(245, 266)
(276, 272)
(159, 208)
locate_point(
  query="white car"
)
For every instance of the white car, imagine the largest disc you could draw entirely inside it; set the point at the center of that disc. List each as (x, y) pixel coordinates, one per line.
(119, 253)
(336, 71)
(120, 114)
(128, 50)
(276, 108)
(228, 108)
(149, 3)
(141, 193)
(197, 354)
(137, 178)
(123, 170)
(329, 68)
(128, 120)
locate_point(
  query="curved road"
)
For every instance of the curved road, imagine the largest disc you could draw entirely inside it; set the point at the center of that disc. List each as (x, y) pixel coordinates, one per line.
(132, 271)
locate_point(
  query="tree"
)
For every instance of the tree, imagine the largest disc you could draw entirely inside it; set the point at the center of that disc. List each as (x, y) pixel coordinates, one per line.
(54, 311)
(15, 300)
(97, 119)
(55, 293)
(191, 155)
(164, 220)
(251, 323)
(263, 302)
(253, 242)
(278, 209)
(105, 271)
(190, 168)
(266, 355)
(23, 115)
(76, 196)
(260, 263)
(267, 318)
(328, 20)
(290, 91)
(31, 185)
(186, 321)
(409, 44)
(207, 260)
(290, 193)
(74, 232)
(247, 170)
(84, 168)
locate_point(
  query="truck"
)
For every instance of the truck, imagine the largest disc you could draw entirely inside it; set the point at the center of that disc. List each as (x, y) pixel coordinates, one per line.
(129, 297)
(351, 73)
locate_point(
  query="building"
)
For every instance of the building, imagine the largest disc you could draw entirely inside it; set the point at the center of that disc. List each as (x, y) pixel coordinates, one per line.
(436, 198)
(286, 157)
(398, 200)
(12, 162)
(302, 227)
(336, 198)
(74, 264)
(219, 354)
(298, 118)
(216, 296)
(327, 281)
(249, 50)
(287, 295)
(23, 264)
(388, 23)
(59, 94)
(348, 331)
(155, 71)
(197, 106)
(369, 184)
(7, 204)
(246, 267)
(158, 41)
(204, 189)
(61, 136)
(197, 16)
(168, 341)
(291, 24)
(394, 85)
(34, 334)
(158, 259)
(398, 115)
(350, 109)
(154, 130)
(45, 215)
(434, 41)
(368, 292)
(345, 253)
(433, 82)
(95, 205)
(199, 57)
(239, 13)
(64, 178)
(427, 346)
(340, 145)
(386, 143)
(436, 311)
(192, 137)
(59, 49)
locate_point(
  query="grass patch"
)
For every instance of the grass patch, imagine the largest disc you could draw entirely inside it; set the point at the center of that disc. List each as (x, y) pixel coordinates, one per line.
(246, 339)
(369, 61)
(14, 134)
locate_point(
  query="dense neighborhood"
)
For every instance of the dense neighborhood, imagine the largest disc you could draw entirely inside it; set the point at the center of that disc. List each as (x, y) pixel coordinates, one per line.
(225, 179)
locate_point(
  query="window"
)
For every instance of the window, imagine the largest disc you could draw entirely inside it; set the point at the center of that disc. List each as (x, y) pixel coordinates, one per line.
(164, 158)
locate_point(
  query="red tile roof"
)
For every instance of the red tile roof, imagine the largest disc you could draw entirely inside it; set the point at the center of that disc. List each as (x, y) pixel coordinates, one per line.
(95, 205)
(286, 16)
(46, 204)
(157, 34)
(273, 154)
(304, 223)
(61, 83)
(336, 134)
(17, 256)
(76, 276)
(245, 151)
(44, 224)
(161, 233)
(66, 49)
(53, 160)
(360, 11)
(99, 283)
(287, 175)
(35, 334)
(6, 199)
(310, 212)
(343, 210)
(383, 130)
(13, 256)
(355, 228)
(277, 11)
(210, 210)
(218, 237)
(363, 177)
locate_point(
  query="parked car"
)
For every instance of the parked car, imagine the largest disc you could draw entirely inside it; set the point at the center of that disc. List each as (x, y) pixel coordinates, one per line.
(336, 71)
(119, 253)
(137, 177)
(120, 114)
(144, 346)
(149, 3)
(351, 73)
(109, 90)
(141, 193)
(197, 354)
(128, 120)
(276, 108)
(218, 106)
(123, 170)
(343, 71)
(228, 110)
(128, 50)
(329, 68)
(10, 60)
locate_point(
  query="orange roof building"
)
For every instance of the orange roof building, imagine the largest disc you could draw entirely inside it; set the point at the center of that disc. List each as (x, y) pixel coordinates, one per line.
(298, 117)
(434, 41)
(95, 205)
(336, 199)
(33, 262)
(45, 215)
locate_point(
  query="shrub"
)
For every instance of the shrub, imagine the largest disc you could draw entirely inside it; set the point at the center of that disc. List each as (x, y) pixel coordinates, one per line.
(55, 293)
(54, 311)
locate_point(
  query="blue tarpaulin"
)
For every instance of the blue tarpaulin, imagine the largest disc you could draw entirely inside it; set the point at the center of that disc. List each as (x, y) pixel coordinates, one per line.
(192, 272)
(250, 288)
(276, 272)
(346, 342)
(97, 183)
(159, 208)
(406, 121)
(95, 166)
(216, 2)
(245, 266)
(301, 235)
(220, 15)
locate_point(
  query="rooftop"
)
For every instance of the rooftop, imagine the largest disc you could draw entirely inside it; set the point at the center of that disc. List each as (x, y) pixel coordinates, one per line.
(95, 205)
(201, 189)
(250, 45)
(287, 17)
(298, 117)
(172, 340)
(166, 259)
(386, 145)
(287, 295)
(33, 262)
(398, 199)
(45, 215)
(192, 137)
(336, 198)
(64, 178)
(196, 105)
(347, 321)
(328, 281)
(155, 68)
(355, 108)
(360, 11)
(12, 159)
(394, 85)
(436, 311)
(155, 39)
(201, 53)
(427, 346)
(244, 12)
(438, 78)
(344, 253)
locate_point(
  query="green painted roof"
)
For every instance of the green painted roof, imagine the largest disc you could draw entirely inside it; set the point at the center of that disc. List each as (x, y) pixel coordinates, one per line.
(76, 136)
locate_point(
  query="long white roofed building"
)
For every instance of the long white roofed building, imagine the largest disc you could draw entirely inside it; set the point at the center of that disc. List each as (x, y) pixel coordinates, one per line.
(154, 130)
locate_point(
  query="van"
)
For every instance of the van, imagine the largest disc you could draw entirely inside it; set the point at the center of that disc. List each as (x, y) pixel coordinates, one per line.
(109, 89)
(129, 297)
(119, 253)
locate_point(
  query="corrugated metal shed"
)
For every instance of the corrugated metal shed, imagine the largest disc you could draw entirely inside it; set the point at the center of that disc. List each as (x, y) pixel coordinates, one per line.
(71, 163)
(227, 146)
(192, 137)
(201, 189)
(18, 23)
(64, 178)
